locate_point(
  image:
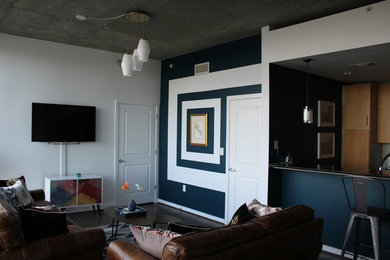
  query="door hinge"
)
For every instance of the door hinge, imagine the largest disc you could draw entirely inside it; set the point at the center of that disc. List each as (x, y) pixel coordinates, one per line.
(156, 116)
(155, 187)
(155, 151)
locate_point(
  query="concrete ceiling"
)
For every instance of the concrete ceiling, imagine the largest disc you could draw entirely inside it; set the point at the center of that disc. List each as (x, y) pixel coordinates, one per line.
(175, 27)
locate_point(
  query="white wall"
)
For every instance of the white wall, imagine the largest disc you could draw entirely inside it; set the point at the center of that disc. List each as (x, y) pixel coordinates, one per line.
(40, 71)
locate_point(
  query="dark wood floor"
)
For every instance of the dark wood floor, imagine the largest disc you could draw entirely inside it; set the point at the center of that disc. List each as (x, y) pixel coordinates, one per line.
(93, 219)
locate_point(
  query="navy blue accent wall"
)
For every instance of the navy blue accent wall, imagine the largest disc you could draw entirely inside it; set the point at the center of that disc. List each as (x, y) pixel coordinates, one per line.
(287, 100)
(325, 194)
(227, 56)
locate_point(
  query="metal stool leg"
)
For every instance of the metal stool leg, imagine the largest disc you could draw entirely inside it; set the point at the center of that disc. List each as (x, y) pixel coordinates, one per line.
(358, 232)
(375, 222)
(352, 218)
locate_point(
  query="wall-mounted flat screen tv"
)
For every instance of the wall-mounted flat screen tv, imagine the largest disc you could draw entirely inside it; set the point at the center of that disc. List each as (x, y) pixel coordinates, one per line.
(62, 123)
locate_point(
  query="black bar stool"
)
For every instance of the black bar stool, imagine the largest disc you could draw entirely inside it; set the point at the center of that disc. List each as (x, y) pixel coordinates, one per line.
(361, 211)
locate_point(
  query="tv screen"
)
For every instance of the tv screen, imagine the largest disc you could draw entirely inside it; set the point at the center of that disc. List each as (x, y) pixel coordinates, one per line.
(62, 123)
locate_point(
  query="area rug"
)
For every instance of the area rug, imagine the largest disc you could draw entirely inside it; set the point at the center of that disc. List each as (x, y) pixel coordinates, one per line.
(124, 232)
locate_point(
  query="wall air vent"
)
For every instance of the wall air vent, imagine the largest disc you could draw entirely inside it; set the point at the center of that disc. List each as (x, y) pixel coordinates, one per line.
(202, 68)
(362, 65)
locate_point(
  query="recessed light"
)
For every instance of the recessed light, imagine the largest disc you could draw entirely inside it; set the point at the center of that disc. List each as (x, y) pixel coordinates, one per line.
(362, 64)
(348, 73)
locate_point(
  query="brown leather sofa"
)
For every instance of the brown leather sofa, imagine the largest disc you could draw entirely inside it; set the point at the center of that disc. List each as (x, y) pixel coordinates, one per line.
(291, 234)
(78, 243)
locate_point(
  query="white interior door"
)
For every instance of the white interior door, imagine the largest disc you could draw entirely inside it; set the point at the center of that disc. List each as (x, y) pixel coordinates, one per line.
(137, 152)
(244, 150)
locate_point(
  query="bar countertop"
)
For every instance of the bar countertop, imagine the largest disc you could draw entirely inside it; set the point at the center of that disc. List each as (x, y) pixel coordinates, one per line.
(332, 169)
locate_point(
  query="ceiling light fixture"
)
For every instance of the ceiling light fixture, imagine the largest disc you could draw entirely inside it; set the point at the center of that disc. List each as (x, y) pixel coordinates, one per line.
(130, 62)
(307, 111)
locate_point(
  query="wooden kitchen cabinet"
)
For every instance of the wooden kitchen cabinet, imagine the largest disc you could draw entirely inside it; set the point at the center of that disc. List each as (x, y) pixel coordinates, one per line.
(359, 105)
(360, 149)
(383, 131)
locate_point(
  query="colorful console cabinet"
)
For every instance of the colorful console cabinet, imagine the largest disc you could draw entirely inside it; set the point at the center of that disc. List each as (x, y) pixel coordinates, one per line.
(68, 191)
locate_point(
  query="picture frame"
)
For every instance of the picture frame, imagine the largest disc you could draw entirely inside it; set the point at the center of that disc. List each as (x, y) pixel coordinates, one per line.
(326, 113)
(325, 145)
(198, 129)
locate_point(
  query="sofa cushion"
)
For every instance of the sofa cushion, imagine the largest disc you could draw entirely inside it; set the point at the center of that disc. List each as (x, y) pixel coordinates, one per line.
(242, 215)
(285, 219)
(18, 194)
(208, 243)
(38, 223)
(11, 233)
(258, 209)
(152, 240)
(184, 229)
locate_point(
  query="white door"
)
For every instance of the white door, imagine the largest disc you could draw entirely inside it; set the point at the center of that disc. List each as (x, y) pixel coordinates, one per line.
(244, 146)
(137, 152)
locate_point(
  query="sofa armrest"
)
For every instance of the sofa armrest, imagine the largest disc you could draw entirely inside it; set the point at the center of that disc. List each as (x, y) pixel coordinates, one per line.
(124, 250)
(38, 194)
(64, 246)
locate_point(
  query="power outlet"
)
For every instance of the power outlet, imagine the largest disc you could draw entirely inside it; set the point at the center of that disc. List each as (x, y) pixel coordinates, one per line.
(184, 188)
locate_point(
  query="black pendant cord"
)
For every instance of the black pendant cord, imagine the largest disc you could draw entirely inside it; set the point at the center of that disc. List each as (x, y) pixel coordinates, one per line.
(307, 83)
(307, 80)
(128, 38)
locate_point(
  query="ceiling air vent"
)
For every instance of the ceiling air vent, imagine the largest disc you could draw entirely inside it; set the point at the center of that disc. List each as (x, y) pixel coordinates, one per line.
(202, 68)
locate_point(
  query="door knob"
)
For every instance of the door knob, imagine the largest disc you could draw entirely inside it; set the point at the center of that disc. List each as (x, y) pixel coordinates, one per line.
(121, 161)
(232, 170)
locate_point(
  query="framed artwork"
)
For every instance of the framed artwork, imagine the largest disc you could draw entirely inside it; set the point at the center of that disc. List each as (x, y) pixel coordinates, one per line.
(198, 130)
(325, 145)
(326, 113)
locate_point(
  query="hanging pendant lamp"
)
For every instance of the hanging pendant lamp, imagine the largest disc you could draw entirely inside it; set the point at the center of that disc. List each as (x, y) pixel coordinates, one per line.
(143, 49)
(137, 63)
(127, 64)
(307, 111)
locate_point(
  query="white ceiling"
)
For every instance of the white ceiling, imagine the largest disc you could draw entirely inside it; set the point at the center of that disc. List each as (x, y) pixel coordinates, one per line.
(335, 65)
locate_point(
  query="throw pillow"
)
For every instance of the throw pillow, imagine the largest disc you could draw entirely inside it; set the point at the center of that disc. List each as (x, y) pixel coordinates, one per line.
(18, 194)
(9, 182)
(184, 229)
(37, 223)
(11, 233)
(242, 215)
(152, 240)
(259, 209)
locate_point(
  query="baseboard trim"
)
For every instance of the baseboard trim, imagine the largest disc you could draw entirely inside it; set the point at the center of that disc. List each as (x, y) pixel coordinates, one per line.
(337, 251)
(196, 212)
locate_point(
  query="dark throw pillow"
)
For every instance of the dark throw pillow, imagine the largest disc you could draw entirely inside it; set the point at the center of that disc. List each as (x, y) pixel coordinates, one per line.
(242, 215)
(37, 223)
(184, 229)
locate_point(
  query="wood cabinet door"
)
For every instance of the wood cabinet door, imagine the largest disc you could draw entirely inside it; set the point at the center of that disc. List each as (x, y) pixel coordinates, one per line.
(356, 105)
(383, 114)
(356, 149)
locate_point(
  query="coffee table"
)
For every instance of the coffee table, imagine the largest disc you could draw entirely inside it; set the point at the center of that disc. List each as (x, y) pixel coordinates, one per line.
(151, 219)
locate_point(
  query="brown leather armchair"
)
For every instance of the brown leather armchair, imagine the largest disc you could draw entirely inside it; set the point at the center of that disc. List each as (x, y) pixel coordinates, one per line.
(78, 243)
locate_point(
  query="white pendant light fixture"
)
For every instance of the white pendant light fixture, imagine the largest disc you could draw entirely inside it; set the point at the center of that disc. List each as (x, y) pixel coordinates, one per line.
(137, 63)
(143, 49)
(127, 65)
(140, 55)
(307, 111)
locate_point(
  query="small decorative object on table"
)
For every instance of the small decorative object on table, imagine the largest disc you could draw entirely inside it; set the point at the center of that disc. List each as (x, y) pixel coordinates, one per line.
(126, 213)
(132, 206)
